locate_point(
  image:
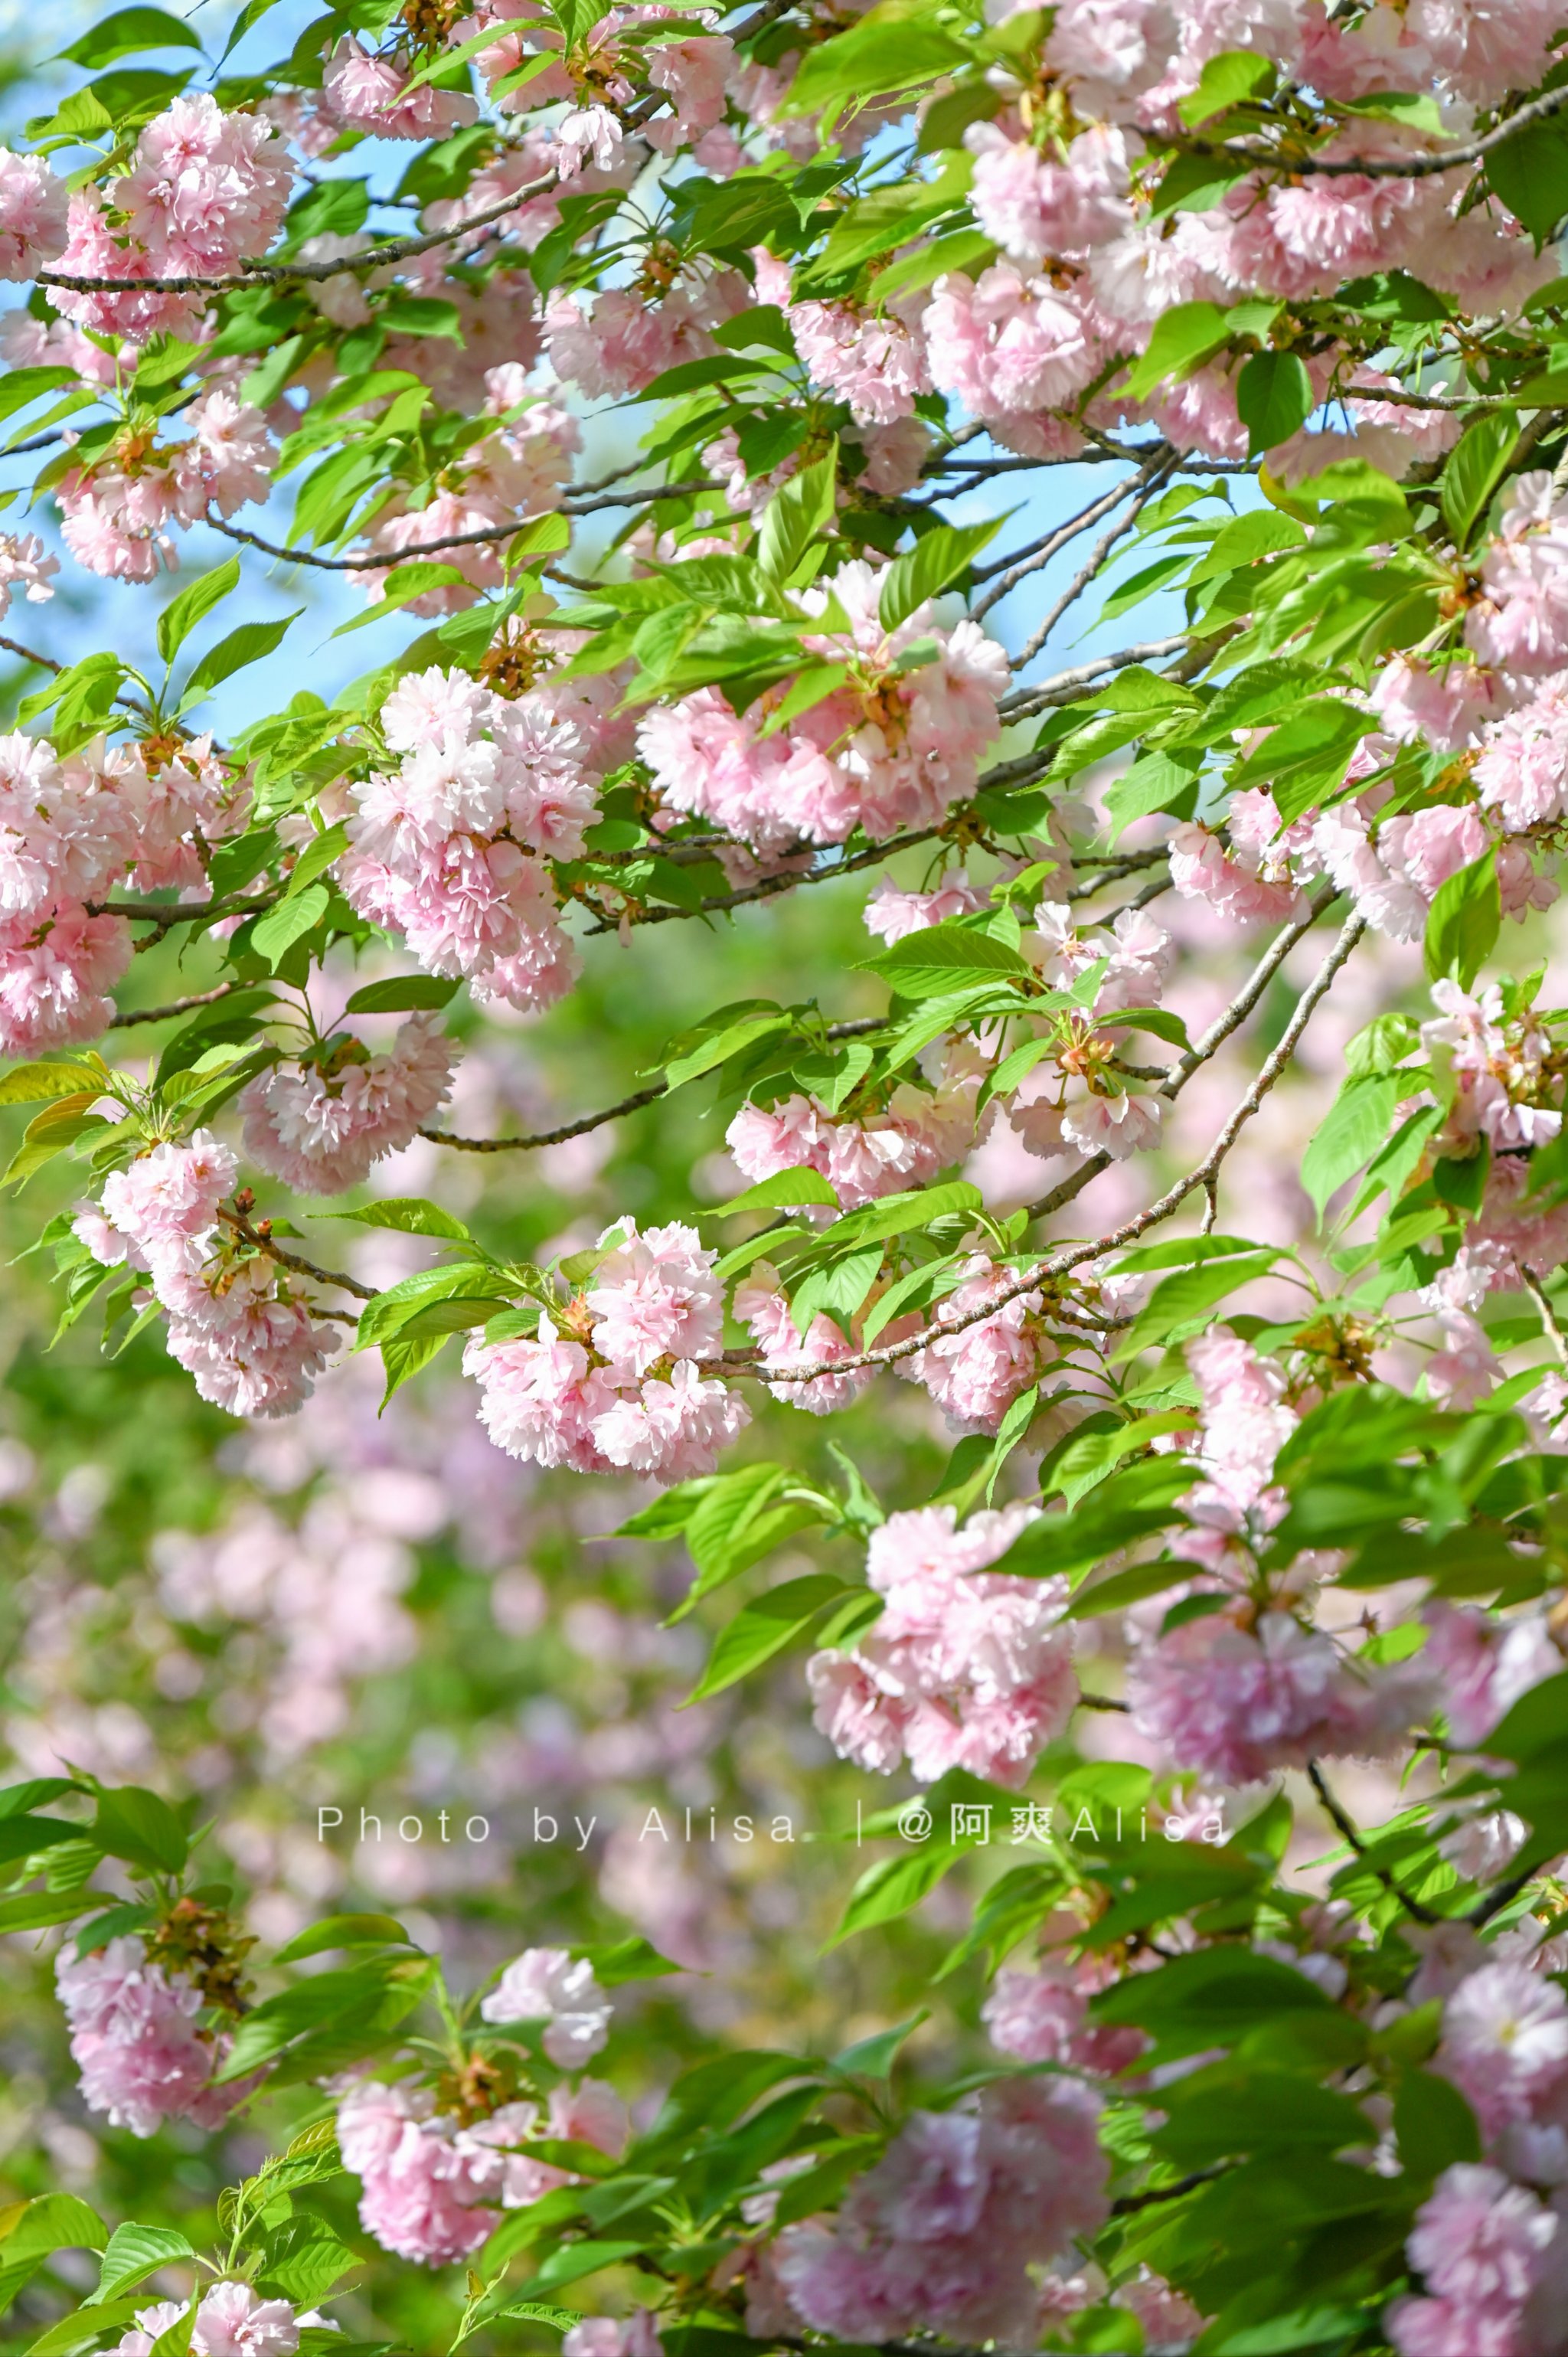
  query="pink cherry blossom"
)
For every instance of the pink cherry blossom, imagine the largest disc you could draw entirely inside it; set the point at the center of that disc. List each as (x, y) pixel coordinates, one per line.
(321, 1125)
(1485, 1664)
(548, 1985)
(135, 2041)
(654, 1297)
(762, 1307)
(1236, 1703)
(33, 208)
(941, 2232)
(1043, 2016)
(976, 1372)
(1505, 2041)
(965, 1668)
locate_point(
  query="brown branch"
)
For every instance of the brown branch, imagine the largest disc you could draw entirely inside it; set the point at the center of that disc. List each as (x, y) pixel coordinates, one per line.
(387, 561)
(252, 1236)
(1071, 1256)
(852, 1030)
(176, 1006)
(1063, 686)
(1348, 1833)
(201, 912)
(1218, 1031)
(1389, 168)
(44, 662)
(1098, 554)
(1007, 572)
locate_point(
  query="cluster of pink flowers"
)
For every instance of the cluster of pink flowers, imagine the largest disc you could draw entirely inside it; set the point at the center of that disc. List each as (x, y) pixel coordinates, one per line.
(891, 748)
(33, 212)
(135, 2039)
(71, 832)
(1491, 2255)
(250, 1344)
(976, 1372)
(450, 848)
(551, 1985)
(25, 568)
(205, 190)
(763, 1308)
(622, 341)
(320, 1124)
(618, 1383)
(1043, 2016)
(231, 2319)
(1485, 1664)
(1236, 1702)
(940, 2234)
(518, 472)
(965, 1668)
(433, 2187)
(114, 513)
(861, 1155)
(1245, 1423)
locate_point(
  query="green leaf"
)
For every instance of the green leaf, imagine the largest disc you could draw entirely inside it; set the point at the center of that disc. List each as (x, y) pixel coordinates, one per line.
(126, 32)
(134, 2253)
(1184, 338)
(571, 2260)
(401, 993)
(737, 1519)
(138, 1826)
(1353, 1129)
(1530, 173)
(327, 2019)
(1131, 1504)
(183, 612)
(796, 516)
(1274, 399)
(400, 589)
(1227, 80)
(1435, 2125)
(343, 1932)
(1181, 1301)
(616, 1962)
(31, 1083)
(1303, 762)
(1464, 921)
(764, 1627)
(430, 1301)
(781, 1192)
(1213, 1998)
(894, 1885)
(942, 958)
(316, 858)
(52, 2222)
(1475, 465)
(936, 561)
(410, 1215)
(889, 50)
(251, 642)
(274, 935)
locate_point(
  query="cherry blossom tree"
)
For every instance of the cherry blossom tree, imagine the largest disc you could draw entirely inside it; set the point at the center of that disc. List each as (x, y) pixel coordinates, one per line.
(1236, 1514)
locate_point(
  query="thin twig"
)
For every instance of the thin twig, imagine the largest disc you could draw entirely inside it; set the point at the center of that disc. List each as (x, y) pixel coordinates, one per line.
(44, 662)
(1063, 686)
(1349, 1833)
(275, 1251)
(1549, 1316)
(1097, 558)
(1071, 1256)
(1005, 574)
(852, 1030)
(176, 1006)
(385, 561)
(1389, 168)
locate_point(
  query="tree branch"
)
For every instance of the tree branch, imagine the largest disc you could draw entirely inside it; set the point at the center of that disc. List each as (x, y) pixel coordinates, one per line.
(1349, 1833)
(1387, 167)
(1071, 1256)
(176, 1006)
(272, 1250)
(387, 561)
